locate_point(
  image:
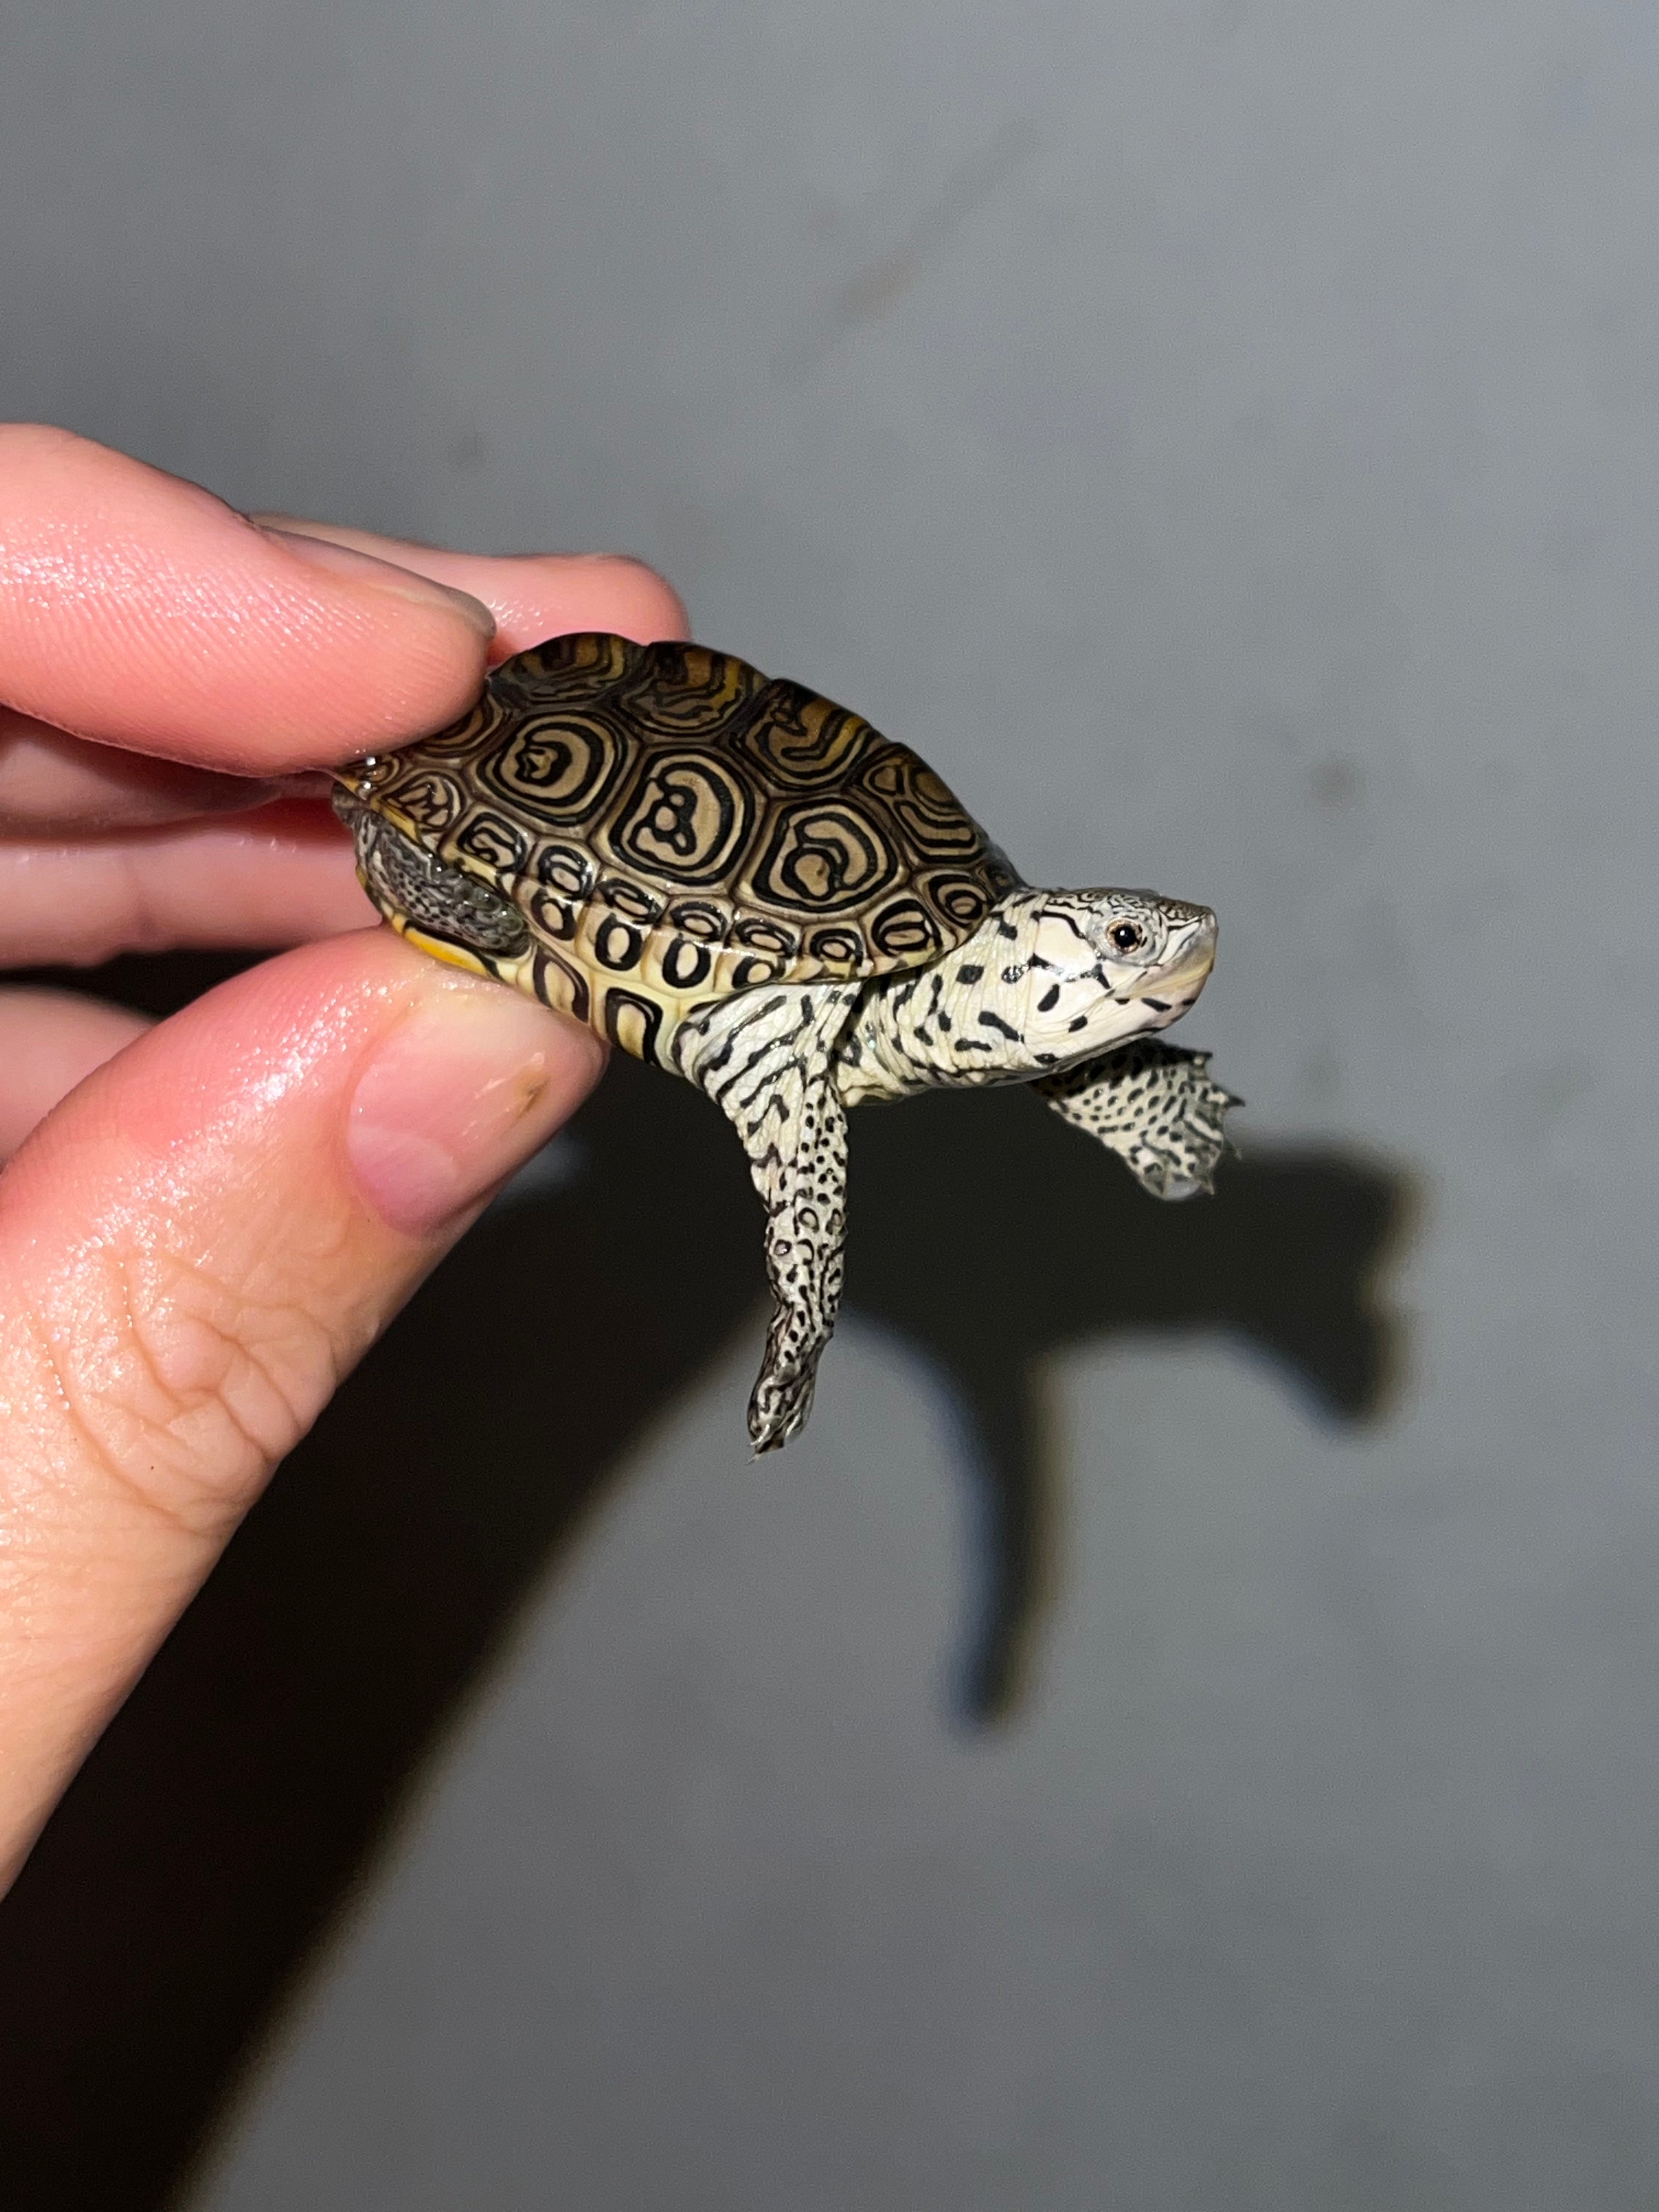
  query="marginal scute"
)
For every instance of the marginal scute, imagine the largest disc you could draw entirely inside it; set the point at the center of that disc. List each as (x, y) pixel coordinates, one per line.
(558, 983)
(549, 915)
(566, 868)
(840, 948)
(471, 735)
(685, 690)
(701, 919)
(429, 801)
(926, 810)
(962, 899)
(908, 931)
(762, 935)
(630, 899)
(570, 669)
(803, 742)
(674, 827)
(681, 964)
(633, 1021)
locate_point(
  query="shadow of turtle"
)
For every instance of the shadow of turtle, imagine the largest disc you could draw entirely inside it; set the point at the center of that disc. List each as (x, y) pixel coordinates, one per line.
(238, 1798)
(989, 1237)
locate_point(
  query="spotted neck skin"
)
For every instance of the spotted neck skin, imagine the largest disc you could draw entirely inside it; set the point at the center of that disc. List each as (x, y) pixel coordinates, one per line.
(1048, 980)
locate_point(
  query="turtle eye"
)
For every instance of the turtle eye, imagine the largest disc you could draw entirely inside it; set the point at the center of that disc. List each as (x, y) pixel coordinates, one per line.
(1128, 935)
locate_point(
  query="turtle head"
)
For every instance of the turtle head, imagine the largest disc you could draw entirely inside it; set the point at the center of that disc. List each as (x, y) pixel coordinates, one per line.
(1105, 965)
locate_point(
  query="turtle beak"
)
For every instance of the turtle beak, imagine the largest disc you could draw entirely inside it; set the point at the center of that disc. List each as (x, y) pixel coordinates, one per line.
(1178, 985)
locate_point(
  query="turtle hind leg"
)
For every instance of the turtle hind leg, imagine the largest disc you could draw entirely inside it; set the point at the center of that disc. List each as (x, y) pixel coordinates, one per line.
(766, 1060)
(453, 912)
(1157, 1106)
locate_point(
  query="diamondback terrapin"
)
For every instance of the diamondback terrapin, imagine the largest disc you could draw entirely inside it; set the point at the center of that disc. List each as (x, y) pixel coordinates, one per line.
(753, 888)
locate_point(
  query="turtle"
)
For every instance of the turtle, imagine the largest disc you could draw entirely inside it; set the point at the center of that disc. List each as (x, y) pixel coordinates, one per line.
(737, 880)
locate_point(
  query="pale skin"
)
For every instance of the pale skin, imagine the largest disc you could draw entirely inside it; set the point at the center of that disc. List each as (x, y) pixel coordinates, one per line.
(1045, 990)
(204, 1224)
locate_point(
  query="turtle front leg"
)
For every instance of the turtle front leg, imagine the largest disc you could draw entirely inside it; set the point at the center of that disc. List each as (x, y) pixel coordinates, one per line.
(1157, 1106)
(765, 1060)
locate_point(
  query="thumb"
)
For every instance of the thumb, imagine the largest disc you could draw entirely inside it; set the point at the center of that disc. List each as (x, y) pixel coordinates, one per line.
(195, 1247)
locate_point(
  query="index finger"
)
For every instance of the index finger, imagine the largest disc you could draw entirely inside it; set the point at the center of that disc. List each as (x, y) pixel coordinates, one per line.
(138, 610)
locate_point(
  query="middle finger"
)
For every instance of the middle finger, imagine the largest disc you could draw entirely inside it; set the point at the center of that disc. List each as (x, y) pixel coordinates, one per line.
(53, 785)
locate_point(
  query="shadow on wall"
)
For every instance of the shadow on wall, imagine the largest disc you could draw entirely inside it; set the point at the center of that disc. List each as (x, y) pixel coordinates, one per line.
(218, 1824)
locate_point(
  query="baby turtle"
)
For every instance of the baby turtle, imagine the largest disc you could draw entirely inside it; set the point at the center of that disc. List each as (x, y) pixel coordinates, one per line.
(750, 887)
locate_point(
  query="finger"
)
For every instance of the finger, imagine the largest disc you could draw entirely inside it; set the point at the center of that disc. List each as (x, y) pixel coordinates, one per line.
(137, 610)
(140, 612)
(54, 784)
(532, 596)
(281, 876)
(50, 1040)
(194, 1248)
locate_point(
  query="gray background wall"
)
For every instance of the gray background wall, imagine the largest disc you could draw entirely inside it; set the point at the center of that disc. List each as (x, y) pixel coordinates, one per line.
(1221, 434)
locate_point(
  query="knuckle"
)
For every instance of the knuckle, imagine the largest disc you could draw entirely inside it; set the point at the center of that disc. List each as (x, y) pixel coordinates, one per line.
(185, 1390)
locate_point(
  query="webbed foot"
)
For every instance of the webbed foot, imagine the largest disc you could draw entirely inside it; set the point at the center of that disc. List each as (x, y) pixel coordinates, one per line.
(1156, 1106)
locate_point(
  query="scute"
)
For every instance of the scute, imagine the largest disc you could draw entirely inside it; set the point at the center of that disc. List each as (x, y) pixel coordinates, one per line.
(670, 813)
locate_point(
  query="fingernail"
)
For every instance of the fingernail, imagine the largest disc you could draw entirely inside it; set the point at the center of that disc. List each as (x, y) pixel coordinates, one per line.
(385, 576)
(461, 1092)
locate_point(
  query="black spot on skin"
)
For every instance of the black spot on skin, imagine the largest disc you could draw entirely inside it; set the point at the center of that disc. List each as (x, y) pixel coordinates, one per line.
(990, 1021)
(1157, 1006)
(972, 1044)
(1049, 1000)
(1081, 1022)
(1006, 929)
(969, 973)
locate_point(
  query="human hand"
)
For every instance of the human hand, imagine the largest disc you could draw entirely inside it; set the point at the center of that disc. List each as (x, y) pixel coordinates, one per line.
(217, 1216)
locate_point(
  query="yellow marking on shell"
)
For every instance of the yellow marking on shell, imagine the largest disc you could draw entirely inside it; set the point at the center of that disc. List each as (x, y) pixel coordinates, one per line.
(805, 741)
(453, 956)
(395, 818)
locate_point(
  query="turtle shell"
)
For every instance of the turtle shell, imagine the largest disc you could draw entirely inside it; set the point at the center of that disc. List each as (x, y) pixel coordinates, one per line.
(670, 817)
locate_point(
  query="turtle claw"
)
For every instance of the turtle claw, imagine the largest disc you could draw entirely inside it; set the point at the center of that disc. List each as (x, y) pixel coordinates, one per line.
(1178, 1187)
(1181, 1162)
(779, 1408)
